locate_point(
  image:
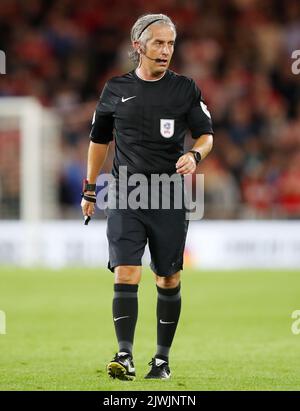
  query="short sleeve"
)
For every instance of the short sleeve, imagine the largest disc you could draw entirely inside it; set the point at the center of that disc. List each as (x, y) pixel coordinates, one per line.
(198, 118)
(103, 120)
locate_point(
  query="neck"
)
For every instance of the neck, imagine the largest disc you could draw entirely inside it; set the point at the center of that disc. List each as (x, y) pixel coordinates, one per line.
(146, 74)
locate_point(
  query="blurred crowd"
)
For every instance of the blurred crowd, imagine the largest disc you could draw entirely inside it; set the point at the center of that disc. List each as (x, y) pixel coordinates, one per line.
(237, 51)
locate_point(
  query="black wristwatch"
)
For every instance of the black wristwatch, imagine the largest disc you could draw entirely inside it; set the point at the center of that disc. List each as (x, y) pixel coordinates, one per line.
(86, 186)
(197, 155)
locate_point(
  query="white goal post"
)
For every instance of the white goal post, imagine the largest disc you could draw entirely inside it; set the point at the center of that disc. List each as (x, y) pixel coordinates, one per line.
(39, 131)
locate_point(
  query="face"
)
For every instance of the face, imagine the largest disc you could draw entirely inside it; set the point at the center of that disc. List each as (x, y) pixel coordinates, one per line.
(159, 46)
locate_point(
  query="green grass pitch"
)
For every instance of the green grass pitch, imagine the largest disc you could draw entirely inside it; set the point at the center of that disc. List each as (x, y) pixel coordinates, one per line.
(234, 333)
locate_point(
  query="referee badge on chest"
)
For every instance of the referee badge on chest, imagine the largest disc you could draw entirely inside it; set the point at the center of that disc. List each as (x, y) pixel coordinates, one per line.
(166, 127)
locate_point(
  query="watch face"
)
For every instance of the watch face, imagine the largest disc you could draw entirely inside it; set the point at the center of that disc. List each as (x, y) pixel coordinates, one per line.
(90, 187)
(197, 156)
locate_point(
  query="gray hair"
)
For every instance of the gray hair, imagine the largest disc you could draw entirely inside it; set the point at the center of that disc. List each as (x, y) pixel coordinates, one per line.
(140, 31)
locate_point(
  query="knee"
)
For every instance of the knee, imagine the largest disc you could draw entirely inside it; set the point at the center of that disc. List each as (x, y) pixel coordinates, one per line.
(171, 281)
(127, 274)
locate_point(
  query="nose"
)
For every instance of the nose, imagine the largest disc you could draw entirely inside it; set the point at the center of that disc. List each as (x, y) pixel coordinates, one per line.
(166, 50)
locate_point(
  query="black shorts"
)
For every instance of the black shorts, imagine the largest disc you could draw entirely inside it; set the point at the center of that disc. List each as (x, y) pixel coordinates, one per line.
(165, 230)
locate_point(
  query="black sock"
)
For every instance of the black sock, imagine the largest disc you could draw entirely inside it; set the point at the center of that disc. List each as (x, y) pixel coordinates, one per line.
(125, 304)
(168, 312)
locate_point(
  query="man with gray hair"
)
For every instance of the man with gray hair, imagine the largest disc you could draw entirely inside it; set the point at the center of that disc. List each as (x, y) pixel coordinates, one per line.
(148, 112)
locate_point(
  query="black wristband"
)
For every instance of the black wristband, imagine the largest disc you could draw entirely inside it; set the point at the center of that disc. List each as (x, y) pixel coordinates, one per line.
(89, 197)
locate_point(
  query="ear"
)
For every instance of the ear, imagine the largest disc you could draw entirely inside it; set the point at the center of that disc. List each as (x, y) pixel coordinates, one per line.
(137, 46)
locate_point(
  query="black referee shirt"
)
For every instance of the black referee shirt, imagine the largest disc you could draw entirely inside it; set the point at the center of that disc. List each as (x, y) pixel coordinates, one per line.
(149, 121)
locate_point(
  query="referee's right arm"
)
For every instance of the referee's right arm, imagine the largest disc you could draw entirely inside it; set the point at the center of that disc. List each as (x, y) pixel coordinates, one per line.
(100, 136)
(96, 157)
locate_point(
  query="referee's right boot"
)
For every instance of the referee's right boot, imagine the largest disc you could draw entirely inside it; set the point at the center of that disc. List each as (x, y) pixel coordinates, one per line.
(159, 370)
(121, 367)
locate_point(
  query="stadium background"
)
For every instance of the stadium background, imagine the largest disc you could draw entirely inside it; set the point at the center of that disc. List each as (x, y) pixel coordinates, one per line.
(239, 53)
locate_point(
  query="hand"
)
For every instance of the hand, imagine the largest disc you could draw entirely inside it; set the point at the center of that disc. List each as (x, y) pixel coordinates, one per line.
(186, 164)
(87, 207)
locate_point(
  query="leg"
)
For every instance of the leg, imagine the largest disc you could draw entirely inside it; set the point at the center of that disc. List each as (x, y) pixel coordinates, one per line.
(168, 312)
(125, 305)
(125, 310)
(128, 274)
(167, 235)
(127, 239)
(172, 281)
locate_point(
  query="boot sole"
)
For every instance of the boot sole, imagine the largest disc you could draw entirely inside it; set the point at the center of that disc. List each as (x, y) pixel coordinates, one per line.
(116, 370)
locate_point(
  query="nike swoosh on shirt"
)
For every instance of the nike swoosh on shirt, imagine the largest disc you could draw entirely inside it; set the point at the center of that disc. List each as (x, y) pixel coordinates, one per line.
(166, 322)
(128, 98)
(120, 318)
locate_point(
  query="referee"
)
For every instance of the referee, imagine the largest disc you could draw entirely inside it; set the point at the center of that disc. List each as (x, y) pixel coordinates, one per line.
(148, 112)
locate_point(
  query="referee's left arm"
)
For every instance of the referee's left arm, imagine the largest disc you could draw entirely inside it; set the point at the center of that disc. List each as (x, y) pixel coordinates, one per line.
(200, 124)
(187, 163)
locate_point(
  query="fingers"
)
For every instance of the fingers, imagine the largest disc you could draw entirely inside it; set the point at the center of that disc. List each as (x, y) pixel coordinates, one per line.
(90, 209)
(186, 170)
(87, 207)
(180, 162)
(186, 164)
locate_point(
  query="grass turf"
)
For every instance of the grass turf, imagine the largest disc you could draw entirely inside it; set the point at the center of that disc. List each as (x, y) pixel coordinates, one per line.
(234, 332)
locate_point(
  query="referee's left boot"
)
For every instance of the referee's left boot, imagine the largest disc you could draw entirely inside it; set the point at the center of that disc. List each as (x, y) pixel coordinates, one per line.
(121, 367)
(159, 370)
